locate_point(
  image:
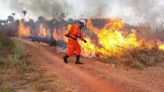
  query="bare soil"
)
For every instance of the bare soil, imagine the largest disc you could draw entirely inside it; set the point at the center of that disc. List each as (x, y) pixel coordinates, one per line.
(95, 76)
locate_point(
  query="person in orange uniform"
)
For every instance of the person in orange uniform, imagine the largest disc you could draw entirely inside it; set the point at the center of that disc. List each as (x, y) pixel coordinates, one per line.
(73, 45)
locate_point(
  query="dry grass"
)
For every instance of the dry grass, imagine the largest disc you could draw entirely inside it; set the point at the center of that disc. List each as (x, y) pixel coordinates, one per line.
(137, 58)
(6, 88)
(14, 61)
(142, 57)
(18, 71)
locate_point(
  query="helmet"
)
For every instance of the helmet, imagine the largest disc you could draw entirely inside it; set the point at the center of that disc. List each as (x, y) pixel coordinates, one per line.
(82, 21)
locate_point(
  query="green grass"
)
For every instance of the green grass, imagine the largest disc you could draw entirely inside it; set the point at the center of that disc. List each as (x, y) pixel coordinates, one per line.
(12, 56)
(12, 52)
(16, 57)
(20, 51)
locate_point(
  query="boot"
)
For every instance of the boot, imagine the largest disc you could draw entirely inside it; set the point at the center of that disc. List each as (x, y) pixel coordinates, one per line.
(65, 58)
(78, 60)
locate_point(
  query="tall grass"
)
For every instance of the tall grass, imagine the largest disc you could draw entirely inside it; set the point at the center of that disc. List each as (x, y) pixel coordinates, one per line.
(12, 56)
(11, 51)
(143, 57)
(19, 53)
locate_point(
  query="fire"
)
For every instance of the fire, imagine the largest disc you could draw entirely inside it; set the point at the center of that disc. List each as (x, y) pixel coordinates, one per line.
(161, 47)
(42, 31)
(66, 31)
(111, 39)
(58, 34)
(114, 24)
(23, 31)
(88, 49)
(115, 41)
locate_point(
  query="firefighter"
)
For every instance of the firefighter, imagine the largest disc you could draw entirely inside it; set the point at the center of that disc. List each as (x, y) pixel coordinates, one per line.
(73, 45)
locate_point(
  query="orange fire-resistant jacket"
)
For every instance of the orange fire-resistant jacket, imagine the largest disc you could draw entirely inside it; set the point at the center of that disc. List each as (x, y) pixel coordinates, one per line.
(73, 43)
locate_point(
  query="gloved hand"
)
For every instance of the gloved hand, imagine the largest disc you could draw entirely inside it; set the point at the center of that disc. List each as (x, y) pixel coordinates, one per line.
(85, 41)
(67, 35)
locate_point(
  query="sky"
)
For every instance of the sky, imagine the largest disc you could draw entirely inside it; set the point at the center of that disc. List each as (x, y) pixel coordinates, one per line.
(130, 11)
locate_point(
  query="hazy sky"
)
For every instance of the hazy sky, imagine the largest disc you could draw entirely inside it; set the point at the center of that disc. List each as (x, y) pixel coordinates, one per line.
(131, 11)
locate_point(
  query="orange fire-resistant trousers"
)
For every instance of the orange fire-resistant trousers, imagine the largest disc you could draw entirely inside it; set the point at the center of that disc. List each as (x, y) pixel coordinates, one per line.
(73, 45)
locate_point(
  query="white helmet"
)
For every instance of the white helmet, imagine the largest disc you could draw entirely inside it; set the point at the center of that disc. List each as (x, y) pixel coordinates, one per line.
(82, 21)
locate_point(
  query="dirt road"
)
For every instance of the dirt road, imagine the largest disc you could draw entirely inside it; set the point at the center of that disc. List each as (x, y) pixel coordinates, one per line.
(94, 76)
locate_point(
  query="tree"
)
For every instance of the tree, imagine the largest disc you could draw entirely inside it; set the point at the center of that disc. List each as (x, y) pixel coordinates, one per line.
(24, 12)
(10, 19)
(13, 14)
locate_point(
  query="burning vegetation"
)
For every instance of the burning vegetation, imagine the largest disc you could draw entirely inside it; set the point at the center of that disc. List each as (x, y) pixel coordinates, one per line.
(42, 31)
(110, 40)
(113, 40)
(23, 31)
(105, 37)
(161, 47)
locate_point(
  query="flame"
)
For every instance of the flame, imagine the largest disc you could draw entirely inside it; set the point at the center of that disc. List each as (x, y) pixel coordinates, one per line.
(91, 27)
(111, 39)
(23, 31)
(88, 49)
(161, 47)
(66, 31)
(42, 31)
(58, 34)
(114, 24)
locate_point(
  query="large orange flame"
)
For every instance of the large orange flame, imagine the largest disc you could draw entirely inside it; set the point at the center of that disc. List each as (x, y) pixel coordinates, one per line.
(42, 31)
(112, 40)
(23, 31)
(58, 34)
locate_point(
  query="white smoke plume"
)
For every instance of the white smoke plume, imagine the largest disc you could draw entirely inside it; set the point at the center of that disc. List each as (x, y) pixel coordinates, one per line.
(150, 11)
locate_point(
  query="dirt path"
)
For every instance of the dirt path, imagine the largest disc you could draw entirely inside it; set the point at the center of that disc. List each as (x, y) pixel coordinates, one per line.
(94, 76)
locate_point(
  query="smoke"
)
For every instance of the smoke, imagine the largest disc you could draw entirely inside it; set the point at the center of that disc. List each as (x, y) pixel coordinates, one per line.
(56, 8)
(47, 8)
(96, 8)
(150, 11)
